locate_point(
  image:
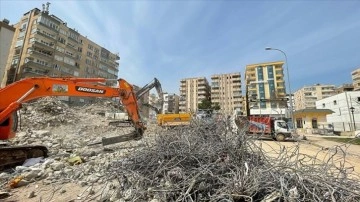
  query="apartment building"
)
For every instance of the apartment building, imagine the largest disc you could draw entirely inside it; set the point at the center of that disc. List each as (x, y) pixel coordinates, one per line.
(265, 86)
(153, 100)
(345, 108)
(43, 45)
(6, 35)
(171, 103)
(144, 110)
(355, 75)
(347, 87)
(192, 92)
(226, 92)
(306, 97)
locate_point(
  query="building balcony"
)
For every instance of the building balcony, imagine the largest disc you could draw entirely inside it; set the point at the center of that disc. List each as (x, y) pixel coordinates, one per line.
(42, 45)
(39, 32)
(238, 99)
(31, 63)
(73, 47)
(237, 96)
(202, 87)
(72, 39)
(51, 28)
(41, 54)
(356, 73)
(34, 72)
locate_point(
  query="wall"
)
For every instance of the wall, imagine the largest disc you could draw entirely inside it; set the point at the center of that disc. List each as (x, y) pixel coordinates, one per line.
(6, 36)
(342, 117)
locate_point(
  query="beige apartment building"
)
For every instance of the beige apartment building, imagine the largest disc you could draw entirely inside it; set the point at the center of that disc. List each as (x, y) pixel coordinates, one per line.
(43, 45)
(347, 87)
(192, 92)
(306, 97)
(6, 36)
(171, 103)
(265, 86)
(355, 75)
(226, 92)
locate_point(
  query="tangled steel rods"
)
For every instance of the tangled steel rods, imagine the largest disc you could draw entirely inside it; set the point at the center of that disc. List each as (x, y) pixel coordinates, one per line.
(210, 162)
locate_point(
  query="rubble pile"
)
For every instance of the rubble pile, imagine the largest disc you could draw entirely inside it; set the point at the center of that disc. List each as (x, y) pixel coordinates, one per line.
(46, 112)
(211, 163)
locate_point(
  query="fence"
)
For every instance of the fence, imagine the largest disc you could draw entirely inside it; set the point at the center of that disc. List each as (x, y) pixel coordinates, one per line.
(345, 126)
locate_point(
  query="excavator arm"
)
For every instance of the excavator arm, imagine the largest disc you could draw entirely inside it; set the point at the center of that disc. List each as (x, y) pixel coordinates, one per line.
(153, 84)
(13, 95)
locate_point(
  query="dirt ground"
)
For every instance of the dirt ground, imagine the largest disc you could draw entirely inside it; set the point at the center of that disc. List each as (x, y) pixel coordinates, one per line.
(313, 147)
(316, 146)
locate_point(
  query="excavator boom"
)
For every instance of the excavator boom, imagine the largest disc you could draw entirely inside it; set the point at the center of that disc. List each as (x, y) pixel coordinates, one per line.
(13, 95)
(153, 84)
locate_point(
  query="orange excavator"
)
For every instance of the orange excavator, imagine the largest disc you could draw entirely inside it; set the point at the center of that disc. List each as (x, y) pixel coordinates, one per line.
(13, 95)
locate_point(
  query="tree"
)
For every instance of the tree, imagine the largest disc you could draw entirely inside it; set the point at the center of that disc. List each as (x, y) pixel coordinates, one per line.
(205, 104)
(216, 106)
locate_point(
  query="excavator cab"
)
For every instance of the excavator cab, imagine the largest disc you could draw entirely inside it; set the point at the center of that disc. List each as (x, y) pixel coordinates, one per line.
(8, 127)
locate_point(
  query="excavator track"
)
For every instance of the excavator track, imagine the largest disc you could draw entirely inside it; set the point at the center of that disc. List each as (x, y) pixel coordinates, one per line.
(11, 156)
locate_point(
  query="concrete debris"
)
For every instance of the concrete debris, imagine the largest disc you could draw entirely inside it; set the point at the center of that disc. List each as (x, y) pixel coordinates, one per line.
(32, 161)
(4, 194)
(75, 160)
(31, 194)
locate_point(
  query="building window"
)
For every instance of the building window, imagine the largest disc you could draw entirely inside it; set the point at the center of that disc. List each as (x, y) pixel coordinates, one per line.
(19, 43)
(314, 123)
(299, 123)
(59, 58)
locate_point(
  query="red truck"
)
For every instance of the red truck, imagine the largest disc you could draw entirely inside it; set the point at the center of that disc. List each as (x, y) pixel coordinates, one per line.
(264, 126)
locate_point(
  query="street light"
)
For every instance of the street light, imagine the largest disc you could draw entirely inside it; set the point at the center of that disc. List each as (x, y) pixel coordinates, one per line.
(290, 94)
(352, 112)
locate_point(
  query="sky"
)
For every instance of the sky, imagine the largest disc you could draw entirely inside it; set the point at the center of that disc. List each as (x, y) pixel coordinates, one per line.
(173, 40)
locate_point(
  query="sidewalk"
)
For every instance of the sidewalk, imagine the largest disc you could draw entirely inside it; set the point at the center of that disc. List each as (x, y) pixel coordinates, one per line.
(318, 140)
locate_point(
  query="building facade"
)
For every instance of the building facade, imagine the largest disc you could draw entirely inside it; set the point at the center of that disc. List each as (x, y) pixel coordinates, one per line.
(153, 100)
(265, 87)
(192, 92)
(6, 36)
(346, 110)
(171, 103)
(226, 92)
(344, 88)
(306, 97)
(144, 99)
(355, 75)
(43, 45)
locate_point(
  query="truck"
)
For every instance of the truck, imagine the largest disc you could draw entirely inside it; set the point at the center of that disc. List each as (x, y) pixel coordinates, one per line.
(181, 119)
(264, 126)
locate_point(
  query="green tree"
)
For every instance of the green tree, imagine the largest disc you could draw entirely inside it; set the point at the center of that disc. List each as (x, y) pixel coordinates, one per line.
(216, 106)
(205, 104)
